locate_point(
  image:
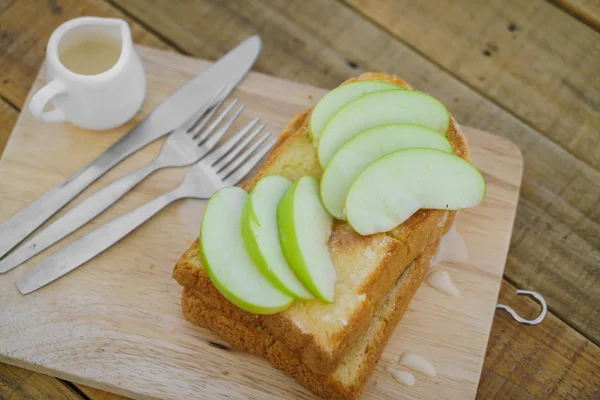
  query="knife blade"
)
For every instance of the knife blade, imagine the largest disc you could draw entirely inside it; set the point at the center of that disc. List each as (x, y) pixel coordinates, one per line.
(180, 105)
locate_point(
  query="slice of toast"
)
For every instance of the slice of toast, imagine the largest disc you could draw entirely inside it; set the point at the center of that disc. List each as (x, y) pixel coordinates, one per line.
(349, 377)
(366, 266)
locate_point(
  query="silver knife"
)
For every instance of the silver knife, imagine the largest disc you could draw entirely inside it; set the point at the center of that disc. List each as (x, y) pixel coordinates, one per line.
(179, 106)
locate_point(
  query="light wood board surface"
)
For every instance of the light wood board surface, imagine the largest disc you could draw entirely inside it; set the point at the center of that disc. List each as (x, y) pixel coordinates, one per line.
(116, 323)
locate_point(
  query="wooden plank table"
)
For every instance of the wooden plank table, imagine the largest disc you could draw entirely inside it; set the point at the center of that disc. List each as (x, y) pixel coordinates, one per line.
(529, 71)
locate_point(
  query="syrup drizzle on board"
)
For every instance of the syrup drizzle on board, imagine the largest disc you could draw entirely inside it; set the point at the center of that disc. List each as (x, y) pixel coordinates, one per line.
(124, 307)
(405, 378)
(453, 249)
(417, 363)
(441, 281)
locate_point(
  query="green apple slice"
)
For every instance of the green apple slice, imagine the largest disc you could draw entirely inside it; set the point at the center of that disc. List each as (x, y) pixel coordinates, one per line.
(394, 187)
(380, 108)
(337, 98)
(304, 230)
(226, 260)
(261, 235)
(362, 150)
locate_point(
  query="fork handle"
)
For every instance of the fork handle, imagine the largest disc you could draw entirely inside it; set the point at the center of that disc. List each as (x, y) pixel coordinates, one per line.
(87, 247)
(78, 216)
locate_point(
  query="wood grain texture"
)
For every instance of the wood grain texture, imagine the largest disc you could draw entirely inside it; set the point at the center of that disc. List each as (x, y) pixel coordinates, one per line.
(96, 394)
(555, 248)
(122, 308)
(8, 118)
(549, 361)
(527, 56)
(26, 26)
(546, 361)
(493, 386)
(586, 11)
(325, 55)
(20, 384)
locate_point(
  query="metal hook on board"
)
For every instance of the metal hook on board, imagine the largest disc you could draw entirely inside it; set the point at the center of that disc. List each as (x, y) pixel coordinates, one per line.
(522, 320)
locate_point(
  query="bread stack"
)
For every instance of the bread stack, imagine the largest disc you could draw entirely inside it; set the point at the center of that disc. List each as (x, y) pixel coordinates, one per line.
(332, 349)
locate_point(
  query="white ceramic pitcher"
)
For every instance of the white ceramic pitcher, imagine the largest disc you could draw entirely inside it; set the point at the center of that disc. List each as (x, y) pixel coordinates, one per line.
(95, 77)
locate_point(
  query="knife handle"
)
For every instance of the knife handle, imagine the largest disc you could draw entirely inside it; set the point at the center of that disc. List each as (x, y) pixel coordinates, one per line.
(78, 216)
(89, 246)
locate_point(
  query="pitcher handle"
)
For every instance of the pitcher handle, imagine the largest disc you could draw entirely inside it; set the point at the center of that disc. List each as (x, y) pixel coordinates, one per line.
(39, 101)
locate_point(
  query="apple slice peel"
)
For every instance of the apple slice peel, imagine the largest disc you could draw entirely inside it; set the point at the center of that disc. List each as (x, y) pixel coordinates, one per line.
(261, 235)
(337, 98)
(226, 260)
(397, 185)
(364, 149)
(380, 108)
(304, 230)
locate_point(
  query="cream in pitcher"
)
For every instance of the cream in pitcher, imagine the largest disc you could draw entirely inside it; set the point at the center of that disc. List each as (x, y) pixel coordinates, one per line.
(95, 77)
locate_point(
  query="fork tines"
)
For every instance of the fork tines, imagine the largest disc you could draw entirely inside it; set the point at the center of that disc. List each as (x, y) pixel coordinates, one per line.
(196, 121)
(238, 155)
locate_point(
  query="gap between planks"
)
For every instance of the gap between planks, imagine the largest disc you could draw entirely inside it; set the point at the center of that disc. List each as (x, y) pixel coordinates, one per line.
(483, 98)
(148, 28)
(169, 43)
(10, 104)
(583, 14)
(177, 48)
(472, 87)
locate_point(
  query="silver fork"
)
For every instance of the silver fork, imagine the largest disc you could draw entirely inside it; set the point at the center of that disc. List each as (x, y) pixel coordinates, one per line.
(184, 146)
(224, 166)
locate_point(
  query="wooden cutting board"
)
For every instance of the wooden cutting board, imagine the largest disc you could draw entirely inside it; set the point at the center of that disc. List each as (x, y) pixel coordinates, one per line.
(116, 324)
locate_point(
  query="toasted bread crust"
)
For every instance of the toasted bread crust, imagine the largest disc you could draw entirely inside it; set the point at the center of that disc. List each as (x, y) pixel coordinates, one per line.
(350, 376)
(367, 266)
